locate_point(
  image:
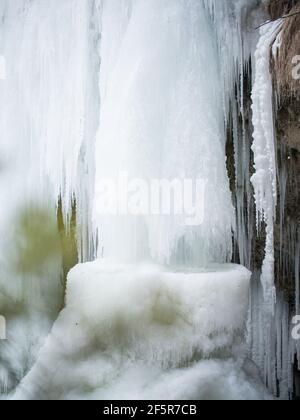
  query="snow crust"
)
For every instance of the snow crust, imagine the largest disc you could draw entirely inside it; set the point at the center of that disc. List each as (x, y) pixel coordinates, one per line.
(145, 332)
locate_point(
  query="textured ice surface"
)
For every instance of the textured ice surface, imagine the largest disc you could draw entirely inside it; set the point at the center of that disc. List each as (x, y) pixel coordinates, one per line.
(144, 332)
(45, 143)
(162, 118)
(165, 78)
(48, 106)
(264, 180)
(268, 350)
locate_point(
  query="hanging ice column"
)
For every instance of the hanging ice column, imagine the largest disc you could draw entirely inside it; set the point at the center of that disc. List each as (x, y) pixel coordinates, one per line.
(48, 106)
(162, 118)
(269, 350)
(264, 179)
(48, 122)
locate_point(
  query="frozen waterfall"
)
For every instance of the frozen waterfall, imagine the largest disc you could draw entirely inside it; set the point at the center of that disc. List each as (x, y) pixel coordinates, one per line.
(109, 95)
(162, 118)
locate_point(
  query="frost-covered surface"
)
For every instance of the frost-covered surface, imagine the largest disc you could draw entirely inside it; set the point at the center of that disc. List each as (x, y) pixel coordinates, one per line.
(162, 118)
(272, 346)
(45, 143)
(48, 104)
(267, 345)
(264, 180)
(169, 69)
(144, 332)
(269, 327)
(234, 22)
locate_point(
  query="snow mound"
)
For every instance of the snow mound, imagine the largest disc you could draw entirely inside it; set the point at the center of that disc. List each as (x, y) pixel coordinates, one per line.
(134, 332)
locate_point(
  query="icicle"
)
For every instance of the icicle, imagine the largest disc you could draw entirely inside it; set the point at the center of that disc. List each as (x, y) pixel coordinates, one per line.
(49, 111)
(233, 23)
(155, 84)
(264, 179)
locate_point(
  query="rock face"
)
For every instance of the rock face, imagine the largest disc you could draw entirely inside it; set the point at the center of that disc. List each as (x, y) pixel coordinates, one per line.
(286, 71)
(287, 226)
(278, 8)
(286, 77)
(287, 94)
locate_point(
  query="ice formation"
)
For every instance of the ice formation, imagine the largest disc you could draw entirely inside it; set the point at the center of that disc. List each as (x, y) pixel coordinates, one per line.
(143, 332)
(162, 118)
(162, 115)
(272, 346)
(270, 343)
(96, 87)
(233, 23)
(48, 101)
(46, 142)
(264, 180)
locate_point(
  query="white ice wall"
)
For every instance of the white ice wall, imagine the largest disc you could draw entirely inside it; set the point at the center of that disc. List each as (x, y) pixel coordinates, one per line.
(48, 116)
(162, 118)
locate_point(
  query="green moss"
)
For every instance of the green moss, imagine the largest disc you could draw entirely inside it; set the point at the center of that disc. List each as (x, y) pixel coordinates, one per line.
(43, 240)
(37, 240)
